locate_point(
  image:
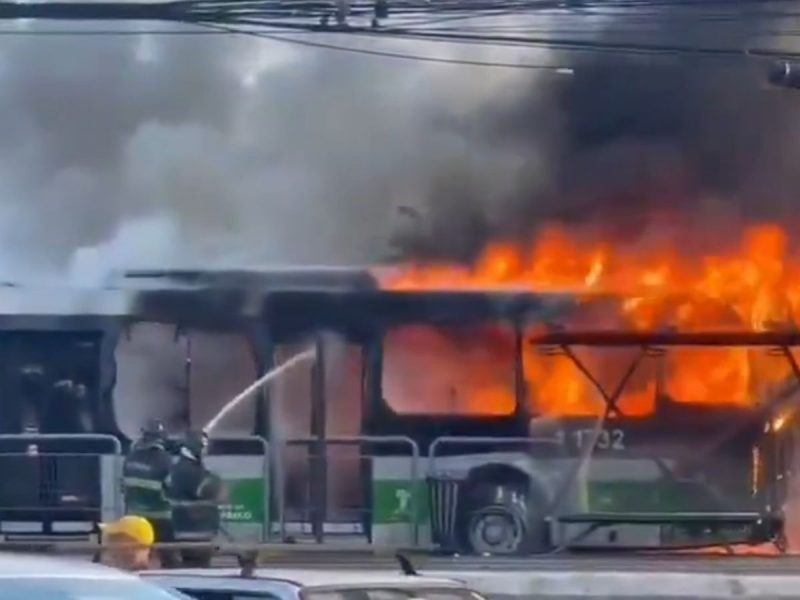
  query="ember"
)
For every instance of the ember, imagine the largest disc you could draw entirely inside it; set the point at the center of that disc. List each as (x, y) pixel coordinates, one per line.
(751, 286)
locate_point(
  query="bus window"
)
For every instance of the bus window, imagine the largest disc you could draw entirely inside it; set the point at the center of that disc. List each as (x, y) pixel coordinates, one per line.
(557, 387)
(150, 381)
(222, 366)
(51, 379)
(155, 379)
(459, 370)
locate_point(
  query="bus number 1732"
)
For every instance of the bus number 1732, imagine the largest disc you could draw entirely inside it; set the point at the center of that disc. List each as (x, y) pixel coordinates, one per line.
(609, 439)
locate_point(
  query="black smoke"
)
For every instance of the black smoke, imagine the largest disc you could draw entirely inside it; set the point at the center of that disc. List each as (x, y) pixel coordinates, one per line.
(630, 138)
(175, 150)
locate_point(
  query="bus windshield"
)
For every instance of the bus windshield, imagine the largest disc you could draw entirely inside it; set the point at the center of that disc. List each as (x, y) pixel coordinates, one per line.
(457, 370)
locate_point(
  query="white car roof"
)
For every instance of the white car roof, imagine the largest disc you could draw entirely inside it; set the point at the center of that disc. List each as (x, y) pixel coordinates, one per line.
(15, 565)
(321, 577)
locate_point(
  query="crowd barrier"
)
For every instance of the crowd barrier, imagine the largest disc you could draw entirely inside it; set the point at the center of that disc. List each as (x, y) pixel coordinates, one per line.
(374, 487)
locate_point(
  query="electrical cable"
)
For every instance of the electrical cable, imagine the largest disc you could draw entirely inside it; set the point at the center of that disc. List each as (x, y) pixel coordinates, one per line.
(560, 70)
(105, 32)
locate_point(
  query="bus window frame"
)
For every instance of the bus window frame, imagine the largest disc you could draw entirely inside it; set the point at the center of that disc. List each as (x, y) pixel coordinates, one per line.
(517, 383)
(247, 332)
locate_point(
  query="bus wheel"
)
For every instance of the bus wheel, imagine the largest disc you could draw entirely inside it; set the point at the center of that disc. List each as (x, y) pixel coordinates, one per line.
(496, 530)
(501, 520)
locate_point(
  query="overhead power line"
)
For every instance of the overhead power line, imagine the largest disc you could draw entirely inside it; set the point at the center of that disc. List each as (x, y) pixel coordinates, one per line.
(108, 32)
(571, 45)
(389, 54)
(267, 18)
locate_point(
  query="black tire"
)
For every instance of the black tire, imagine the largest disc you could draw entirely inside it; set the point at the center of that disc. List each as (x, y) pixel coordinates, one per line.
(503, 519)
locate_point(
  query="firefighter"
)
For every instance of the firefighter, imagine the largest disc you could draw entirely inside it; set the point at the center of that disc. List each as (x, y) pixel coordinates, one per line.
(128, 543)
(144, 472)
(195, 494)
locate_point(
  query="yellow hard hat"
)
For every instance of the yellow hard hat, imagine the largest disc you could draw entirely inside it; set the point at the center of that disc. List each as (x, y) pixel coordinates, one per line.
(139, 529)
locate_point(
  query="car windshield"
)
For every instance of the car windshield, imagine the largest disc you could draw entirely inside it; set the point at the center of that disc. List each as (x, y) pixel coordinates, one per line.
(64, 588)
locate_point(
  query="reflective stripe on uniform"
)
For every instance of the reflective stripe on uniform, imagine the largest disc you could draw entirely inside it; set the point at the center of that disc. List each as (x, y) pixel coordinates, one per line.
(192, 503)
(203, 485)
(201, 536)
(160, 515)
(144, 484)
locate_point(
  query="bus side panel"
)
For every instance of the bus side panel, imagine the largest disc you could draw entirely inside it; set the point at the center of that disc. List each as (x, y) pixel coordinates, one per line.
(395, 499)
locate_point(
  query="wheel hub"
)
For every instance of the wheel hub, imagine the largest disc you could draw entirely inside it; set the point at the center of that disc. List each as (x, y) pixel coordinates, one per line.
(496, 531)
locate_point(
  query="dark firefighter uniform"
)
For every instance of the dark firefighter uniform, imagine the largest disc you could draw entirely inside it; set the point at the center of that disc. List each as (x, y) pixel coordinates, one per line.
(144, 473)
(194, 494)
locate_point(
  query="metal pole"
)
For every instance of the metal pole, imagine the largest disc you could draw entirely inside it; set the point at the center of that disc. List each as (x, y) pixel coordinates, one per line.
(187, 373)
(416, 493)
(520, 388)
(319, 450)
(277, 448)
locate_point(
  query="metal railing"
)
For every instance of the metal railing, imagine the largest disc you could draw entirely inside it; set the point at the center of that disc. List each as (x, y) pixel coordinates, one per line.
(320, 459)
(322, 464)
(57, 484)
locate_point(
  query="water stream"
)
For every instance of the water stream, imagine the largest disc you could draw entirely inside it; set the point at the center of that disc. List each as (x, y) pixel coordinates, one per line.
(297, 359)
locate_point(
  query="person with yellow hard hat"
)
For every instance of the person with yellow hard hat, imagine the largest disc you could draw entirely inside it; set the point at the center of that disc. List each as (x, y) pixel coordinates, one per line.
(128, 543)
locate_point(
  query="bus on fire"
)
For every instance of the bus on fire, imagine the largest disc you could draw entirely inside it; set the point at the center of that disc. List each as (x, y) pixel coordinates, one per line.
(477, 422)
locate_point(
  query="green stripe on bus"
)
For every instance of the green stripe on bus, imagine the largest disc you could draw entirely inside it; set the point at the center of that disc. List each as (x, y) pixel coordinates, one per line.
(393, 501)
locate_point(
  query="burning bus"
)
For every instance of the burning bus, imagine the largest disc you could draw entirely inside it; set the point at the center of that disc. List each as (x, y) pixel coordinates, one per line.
(569, 398)
(488, 469)
(511, 407)
(84, 369)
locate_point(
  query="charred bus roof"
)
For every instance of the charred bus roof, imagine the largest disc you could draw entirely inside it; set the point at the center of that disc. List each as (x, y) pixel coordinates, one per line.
(305, 310)
(265, 280)
(212, 298)
(304, 299)
(289, 311)
(215, 298)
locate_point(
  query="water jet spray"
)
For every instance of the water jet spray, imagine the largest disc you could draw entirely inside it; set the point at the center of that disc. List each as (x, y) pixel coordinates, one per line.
(299, 358)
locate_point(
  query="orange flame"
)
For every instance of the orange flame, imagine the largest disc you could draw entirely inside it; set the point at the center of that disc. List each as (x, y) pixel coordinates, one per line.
(753, 285)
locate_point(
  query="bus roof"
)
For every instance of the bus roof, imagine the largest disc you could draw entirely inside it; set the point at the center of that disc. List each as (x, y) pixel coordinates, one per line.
(290, 311)
(213, 298)
(305, 299)
(307, 278)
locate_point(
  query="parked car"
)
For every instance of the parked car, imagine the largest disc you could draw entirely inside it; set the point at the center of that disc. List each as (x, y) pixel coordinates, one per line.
(30, 577)
(300, 584)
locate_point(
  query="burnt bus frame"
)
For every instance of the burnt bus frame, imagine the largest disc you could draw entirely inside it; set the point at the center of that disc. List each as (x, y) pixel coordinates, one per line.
(107, 329)
(364, 316)
(288, 309)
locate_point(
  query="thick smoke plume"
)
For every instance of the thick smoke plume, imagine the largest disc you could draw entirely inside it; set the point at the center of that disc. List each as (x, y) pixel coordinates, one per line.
(628, 138)
(178, 150)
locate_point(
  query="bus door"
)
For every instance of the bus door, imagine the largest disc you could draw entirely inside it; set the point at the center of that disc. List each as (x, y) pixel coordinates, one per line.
(313, 402)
